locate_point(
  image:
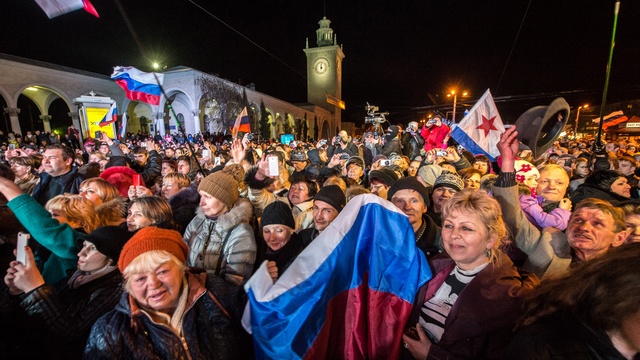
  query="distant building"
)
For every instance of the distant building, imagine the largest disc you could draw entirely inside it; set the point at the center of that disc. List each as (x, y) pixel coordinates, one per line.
(201, 102)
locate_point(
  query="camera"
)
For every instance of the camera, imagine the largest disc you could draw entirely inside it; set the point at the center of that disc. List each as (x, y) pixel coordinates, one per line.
(441, 153)
(250, 136)
(385, 162)
(344, 156)
(336, 140)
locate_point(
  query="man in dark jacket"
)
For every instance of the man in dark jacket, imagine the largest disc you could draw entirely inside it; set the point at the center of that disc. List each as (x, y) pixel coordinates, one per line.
(412, 141)
(59, 176)
(410, 196)
(392, 143)
(147, 163)
(342, 144)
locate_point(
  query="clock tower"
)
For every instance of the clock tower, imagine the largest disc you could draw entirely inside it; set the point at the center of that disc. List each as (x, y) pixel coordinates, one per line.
(324, 71)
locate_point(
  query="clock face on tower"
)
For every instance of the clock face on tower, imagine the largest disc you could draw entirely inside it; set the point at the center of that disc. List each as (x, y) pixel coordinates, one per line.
(321, 65)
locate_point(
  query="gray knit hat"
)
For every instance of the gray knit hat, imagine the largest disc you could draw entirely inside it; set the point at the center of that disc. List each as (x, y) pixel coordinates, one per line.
(429, 173)
(277, 213)
(450, 180)
(221, 186)
(332, 195)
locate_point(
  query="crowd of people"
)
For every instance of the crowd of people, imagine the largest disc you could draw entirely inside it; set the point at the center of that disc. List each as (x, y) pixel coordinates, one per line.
(139, 248)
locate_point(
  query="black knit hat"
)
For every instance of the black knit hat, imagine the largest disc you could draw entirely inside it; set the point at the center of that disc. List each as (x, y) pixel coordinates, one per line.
(409, 183)
(109, 240)
(277, 213)
(332, 195)
(385, 175)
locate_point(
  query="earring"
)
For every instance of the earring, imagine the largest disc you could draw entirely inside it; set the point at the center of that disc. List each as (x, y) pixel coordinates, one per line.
(488, 253)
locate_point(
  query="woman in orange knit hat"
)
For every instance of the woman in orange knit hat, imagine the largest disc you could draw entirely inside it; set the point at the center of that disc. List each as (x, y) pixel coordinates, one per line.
(168, 311)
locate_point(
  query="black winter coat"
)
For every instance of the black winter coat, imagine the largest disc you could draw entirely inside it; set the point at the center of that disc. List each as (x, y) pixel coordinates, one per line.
(54, 322)
(209, 327)
(184, 205)
(560, 336)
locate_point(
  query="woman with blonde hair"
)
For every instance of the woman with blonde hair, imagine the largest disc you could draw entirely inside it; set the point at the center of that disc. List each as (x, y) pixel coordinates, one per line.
(110, 206)
(56, 229)
(168, 312)
(468, 308)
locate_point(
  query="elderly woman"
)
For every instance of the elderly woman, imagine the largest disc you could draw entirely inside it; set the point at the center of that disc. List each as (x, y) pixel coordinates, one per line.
(300, 196)
(593, 313)
(167, 312)
(22, 167)
(220, 237)
(283, 244)
(58, 318)
(609, 185)
(472, 302)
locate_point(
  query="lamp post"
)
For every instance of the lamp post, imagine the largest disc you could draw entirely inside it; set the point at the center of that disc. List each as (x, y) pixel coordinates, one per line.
(575, 131)
(455, 102)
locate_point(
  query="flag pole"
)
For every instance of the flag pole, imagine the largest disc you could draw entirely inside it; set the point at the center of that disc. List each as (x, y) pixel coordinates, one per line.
(598, 145)
(136, 39)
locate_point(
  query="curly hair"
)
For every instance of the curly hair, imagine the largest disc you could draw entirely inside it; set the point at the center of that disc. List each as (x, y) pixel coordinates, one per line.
(77, 209)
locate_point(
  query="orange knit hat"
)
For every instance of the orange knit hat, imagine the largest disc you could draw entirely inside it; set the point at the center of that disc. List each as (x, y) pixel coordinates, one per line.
(152, 238)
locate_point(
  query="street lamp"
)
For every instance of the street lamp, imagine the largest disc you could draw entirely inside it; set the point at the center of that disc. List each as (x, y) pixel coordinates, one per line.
(575, 131)
(455, 101)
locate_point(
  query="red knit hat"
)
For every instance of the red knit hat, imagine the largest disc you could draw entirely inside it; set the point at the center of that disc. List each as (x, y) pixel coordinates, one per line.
(152, 238)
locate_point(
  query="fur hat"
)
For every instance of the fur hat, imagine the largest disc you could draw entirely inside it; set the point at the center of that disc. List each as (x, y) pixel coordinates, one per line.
(385, 175)
(450, 180)
(332, 195)
(277, 213)
(524, 169)
(152, 238)
(409, 183)
(221, 186)
(108, 240)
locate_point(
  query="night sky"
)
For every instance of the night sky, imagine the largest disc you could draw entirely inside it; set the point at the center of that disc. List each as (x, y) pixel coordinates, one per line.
(400, 55)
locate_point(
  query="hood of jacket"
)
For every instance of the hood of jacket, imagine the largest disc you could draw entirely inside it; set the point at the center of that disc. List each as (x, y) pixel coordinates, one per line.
(241, 212)
(186, 196)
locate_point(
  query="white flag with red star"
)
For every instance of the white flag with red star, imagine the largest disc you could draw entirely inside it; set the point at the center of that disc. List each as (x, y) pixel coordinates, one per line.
(479, 131)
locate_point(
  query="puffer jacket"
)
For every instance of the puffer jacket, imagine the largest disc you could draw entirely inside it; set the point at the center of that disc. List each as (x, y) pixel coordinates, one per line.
(208, 326)
(205, 238)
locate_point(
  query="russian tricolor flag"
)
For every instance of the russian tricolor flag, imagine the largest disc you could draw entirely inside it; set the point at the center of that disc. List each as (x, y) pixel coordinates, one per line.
(139, 85)
(110, 116)
(348, 295)
(615, 118)
(242, 123)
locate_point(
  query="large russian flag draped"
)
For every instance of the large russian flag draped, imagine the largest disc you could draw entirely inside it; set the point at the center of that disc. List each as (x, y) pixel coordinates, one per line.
(348, 295)
(110, 116)
(479, 131)
(242, 123)
(139, 85)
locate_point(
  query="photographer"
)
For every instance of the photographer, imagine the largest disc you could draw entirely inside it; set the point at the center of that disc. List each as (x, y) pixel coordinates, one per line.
(412, 141)
(435, 134)
(342, 144)
(392, 143)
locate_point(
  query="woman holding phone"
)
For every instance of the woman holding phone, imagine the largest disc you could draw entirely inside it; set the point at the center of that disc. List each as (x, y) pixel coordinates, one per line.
(58, 317)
